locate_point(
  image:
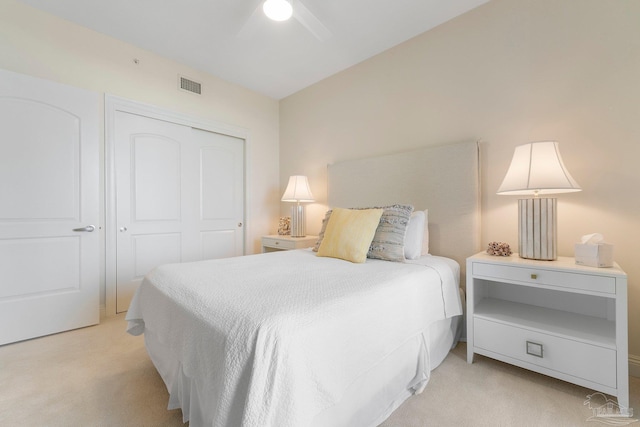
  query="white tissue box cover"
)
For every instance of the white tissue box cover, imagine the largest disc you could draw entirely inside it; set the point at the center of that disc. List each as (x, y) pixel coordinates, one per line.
(594, 255)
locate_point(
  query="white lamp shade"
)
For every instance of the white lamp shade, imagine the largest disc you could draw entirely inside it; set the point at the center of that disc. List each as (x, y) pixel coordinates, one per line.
(537, 168)
(278, 10)
(297, 190)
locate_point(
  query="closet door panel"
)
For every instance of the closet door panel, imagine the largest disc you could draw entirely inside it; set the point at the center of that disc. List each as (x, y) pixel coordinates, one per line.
(156, 178)
(179, 197)
(221, 180)
(151, 229)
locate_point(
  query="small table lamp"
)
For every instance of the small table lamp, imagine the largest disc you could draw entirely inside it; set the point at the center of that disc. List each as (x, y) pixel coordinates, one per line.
(297, 191)
(537, 169)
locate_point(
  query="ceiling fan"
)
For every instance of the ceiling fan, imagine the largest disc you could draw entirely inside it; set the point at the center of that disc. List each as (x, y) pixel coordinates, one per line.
(281, 10)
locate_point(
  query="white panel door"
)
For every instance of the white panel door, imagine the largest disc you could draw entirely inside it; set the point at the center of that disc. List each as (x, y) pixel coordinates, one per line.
(179, 197)
(49, 238)
(220, 184)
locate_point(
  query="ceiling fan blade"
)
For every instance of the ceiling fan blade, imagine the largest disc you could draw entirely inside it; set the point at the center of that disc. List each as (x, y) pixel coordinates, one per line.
(251, 24)
(310, 22)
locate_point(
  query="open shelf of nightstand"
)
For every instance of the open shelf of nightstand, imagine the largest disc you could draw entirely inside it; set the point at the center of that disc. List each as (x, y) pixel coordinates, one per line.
(589, 329)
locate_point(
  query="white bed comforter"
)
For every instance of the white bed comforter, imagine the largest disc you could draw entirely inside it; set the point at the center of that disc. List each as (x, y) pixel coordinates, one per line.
(274, 339)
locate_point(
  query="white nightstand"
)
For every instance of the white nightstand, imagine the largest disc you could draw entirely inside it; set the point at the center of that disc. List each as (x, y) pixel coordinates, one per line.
(277, 242)
(552, 317)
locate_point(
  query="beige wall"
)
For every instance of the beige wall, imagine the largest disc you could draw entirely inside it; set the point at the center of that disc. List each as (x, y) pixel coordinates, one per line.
(507, 73)
(36, 43)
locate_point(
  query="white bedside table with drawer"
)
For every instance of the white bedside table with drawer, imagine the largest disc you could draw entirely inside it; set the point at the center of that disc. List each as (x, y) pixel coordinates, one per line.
(277, 242)
(552, 317)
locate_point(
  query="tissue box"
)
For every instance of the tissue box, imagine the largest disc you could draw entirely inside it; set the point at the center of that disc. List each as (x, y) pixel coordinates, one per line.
(594, 255)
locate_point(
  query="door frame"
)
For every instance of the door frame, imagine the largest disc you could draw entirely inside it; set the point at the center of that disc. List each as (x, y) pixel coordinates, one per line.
(113, 104)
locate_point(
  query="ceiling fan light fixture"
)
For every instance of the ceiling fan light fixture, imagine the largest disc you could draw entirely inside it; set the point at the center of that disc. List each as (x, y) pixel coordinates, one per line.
(278, 10)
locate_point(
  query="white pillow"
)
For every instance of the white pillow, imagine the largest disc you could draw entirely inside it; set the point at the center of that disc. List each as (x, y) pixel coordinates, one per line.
(425, 237)
(414, 237)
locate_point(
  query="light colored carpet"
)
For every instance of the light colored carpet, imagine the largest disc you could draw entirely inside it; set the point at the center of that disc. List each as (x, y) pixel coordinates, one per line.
(101, 376)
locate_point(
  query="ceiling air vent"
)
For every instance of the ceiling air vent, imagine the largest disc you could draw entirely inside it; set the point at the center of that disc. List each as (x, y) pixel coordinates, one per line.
(190, 86)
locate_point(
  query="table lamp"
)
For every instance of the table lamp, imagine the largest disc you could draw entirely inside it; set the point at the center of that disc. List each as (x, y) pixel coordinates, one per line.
(537, 169)
(297, 191)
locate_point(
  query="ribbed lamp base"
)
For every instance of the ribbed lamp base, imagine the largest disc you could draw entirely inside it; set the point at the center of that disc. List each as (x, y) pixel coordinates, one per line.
(297, 221)
(537, 229)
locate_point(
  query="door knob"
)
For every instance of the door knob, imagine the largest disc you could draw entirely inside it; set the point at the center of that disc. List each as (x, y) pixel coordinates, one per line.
(239, 224)
(123, 229)
(88, 228)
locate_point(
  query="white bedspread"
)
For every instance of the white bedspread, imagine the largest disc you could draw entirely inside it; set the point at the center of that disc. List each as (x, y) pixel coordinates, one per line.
(274, 339)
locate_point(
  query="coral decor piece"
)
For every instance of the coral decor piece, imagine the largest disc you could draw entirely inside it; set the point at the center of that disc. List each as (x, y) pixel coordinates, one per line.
(284, 227)
(499, 249)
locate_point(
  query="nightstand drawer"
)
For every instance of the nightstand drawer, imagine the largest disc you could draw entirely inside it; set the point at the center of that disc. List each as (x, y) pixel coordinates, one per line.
(560, 355)
(275, 243)
(560, 279)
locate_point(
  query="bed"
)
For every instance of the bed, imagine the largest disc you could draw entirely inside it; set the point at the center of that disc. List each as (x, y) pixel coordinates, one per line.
(296, 339)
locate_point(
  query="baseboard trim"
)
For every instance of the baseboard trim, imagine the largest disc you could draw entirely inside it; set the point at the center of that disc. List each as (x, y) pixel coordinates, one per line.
(634, 365)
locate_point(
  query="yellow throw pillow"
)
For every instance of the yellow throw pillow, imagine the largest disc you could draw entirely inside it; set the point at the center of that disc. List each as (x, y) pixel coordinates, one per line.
(349, 234)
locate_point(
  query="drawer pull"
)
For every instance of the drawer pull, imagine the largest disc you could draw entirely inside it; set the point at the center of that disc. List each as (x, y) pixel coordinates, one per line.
(534, 276)
(534, 349)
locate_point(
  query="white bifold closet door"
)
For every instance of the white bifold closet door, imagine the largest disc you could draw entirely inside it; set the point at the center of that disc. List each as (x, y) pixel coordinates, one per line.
(179, 197)
(49, 211)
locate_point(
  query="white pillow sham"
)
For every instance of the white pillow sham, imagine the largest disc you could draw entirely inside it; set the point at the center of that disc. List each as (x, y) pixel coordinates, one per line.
(416, 240)
(425, 235)
(414, 236)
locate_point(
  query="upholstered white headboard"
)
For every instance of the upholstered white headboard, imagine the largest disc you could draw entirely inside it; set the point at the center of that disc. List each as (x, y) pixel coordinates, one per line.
(441, 178)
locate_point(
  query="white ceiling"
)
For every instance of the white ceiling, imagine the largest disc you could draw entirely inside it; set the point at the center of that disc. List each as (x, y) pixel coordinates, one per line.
(273, 58)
